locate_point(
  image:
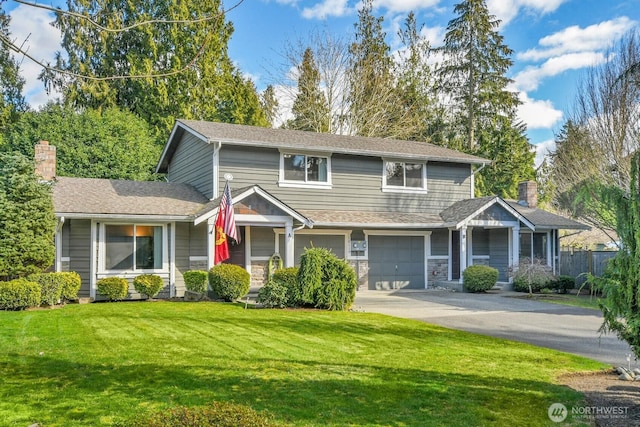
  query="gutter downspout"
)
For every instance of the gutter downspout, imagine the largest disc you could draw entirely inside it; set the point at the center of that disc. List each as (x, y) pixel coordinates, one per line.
(473, 180)
(58, 244)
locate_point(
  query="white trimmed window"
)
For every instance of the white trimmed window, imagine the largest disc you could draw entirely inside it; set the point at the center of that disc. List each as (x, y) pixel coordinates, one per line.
(404, 176)
(305, 170)
(133, 247)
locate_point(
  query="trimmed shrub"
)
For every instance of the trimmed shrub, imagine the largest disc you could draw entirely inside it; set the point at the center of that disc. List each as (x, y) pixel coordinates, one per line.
(50, 287)
(215, 415)
(479, 278)
(532, 276)
(71, 283)
(114, 288)
(562, 284)
(273, 294)
(196, 281)
(288, 277)
(326, 281)
(19, 294)
(148, 284)
(229, 282)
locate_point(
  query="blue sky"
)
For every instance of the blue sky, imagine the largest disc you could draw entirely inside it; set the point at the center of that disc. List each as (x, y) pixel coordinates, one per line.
(554, 41)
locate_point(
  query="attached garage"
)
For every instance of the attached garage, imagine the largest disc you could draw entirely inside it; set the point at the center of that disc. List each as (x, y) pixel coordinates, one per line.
(396, 262)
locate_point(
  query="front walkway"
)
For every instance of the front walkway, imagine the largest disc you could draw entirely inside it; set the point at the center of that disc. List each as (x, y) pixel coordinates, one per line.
(501, 314)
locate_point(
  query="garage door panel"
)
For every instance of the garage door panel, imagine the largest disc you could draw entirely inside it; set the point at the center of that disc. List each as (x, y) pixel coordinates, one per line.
(396, 262)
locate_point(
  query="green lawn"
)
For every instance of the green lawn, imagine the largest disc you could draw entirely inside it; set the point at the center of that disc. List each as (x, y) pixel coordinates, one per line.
(99, 364)
(583, 300)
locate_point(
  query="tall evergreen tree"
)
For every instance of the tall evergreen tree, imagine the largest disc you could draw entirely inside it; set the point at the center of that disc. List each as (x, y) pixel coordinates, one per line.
(415, 81)
(270, 104)
(27, 221)
(310, 109)
(371, 81)
(183, 69)
(474, 68)
(12, 101)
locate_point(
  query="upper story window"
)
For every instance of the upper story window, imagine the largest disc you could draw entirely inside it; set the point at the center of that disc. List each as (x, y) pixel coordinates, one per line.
(305, 170)
(133, 247)
(404, 176)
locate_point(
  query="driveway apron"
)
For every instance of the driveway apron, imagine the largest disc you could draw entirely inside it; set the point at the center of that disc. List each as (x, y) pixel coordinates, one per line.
(504, 315)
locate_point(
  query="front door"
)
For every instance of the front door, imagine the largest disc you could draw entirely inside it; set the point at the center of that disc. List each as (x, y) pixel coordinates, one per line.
(237, 250)
(455, 255)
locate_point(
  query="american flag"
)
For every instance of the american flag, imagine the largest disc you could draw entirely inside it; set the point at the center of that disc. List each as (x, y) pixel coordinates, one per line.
(226, 209)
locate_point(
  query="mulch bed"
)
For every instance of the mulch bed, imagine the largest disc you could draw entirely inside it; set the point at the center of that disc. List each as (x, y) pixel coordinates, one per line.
(610, 402)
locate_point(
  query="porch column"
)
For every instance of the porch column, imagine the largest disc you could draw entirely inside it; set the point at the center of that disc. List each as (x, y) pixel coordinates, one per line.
(211, 243)
(469, 246)
(515, 247)
(463, 250)
(289, 248)
(549, 249)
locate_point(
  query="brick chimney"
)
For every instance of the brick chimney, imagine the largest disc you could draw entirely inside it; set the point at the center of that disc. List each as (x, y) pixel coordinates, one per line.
(45, 158)
(528, 194)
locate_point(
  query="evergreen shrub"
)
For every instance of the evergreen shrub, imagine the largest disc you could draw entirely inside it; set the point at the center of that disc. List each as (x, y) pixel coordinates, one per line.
(326, 281)
(71, 283)
(148, 284)
(229, 282)
(562, 284)
(273, 294)
(19, 294)
(50, 287)
(196, 281)
(288, 277)
(114, 288)
(479, 278)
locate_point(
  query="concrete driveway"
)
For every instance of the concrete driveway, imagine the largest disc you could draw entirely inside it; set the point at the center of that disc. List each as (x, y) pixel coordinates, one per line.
(503, 315)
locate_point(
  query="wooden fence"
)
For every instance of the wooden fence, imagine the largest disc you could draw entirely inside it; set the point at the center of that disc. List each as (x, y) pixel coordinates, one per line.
(576, 262)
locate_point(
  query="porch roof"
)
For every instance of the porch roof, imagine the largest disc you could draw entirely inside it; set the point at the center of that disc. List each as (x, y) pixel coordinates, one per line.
(93, 197)
(372, 219)
(545, 219)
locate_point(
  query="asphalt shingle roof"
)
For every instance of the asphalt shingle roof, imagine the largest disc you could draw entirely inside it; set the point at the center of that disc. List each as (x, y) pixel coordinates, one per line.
(371, 219)
(118, 197)
(313, 141)
(545, 219)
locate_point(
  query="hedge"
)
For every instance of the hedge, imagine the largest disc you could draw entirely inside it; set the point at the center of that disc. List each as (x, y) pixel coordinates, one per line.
(479, 278)
(148, 284)
(229, 282)
(19, 294)
(114, 288)
(196, 281)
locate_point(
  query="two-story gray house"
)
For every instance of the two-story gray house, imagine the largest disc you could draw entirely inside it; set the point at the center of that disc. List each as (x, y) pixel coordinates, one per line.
(402, 213)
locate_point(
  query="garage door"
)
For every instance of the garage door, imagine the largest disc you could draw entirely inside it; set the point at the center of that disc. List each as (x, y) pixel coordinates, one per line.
(396, 262)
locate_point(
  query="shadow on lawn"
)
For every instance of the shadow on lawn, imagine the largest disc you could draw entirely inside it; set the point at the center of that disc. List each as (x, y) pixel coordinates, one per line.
(55, 392)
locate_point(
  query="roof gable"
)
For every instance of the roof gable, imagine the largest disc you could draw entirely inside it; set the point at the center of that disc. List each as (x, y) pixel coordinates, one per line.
(491, 208)
(226, 133)
(245, 194)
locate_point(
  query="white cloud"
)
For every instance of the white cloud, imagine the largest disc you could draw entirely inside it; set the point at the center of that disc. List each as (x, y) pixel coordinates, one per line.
(326, 9)
(543, 149)
(506, 10)
(538, 114)
(42, 41)
(405, 5)
(530, 77)
(575, 39)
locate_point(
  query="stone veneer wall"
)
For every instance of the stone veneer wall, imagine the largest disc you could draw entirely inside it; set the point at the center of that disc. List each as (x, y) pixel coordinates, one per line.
(361, 268)
(259, 273)
(438, 270)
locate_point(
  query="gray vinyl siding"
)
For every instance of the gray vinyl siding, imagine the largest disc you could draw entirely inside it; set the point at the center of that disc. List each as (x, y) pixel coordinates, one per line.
(499, 252)
(198, 240)
(335, 243)
(481, 241)
(263, 241)
(80, 252)
(351, 175)
(440, 242)
(496, 213)
(192, 163)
